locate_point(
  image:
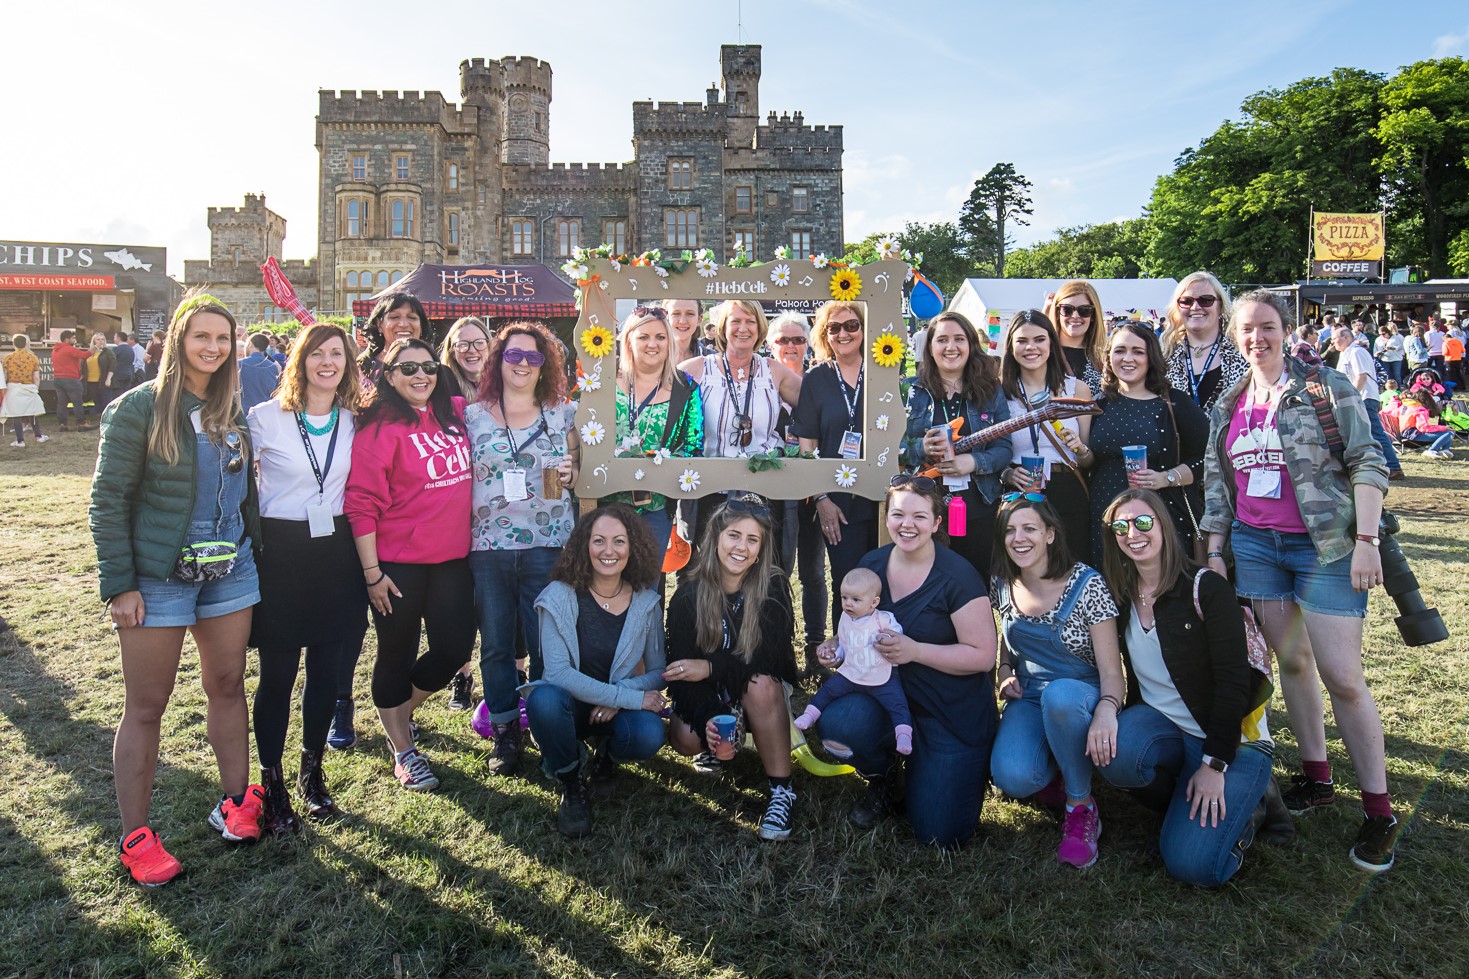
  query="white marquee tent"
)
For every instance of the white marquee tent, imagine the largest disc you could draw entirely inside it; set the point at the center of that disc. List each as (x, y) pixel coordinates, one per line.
(990, 303)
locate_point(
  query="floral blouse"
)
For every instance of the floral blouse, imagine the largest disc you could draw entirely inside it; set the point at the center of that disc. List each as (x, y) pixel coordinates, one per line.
(687, 438)
(500, 524)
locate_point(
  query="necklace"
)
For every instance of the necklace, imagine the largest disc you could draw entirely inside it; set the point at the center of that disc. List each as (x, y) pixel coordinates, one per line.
(326, 429)
(607, 605)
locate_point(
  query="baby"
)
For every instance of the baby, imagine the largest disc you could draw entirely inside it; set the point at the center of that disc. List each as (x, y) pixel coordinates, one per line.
(863, 668)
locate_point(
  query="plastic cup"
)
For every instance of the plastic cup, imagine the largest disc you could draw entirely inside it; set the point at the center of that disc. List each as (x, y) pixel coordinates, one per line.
(1036, 467)
(941, 432)
(725, 725)
(1134, 457)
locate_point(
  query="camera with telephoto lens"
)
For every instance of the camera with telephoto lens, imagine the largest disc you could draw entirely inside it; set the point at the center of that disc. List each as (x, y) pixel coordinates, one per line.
(1418, 624)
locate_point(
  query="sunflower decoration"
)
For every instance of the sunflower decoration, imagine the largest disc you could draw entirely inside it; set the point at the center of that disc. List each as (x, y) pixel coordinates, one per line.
(887, 350)
(846, 286)
(596, 341)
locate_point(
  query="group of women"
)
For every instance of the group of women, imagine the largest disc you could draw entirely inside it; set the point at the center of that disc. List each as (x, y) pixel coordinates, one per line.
(443, 479)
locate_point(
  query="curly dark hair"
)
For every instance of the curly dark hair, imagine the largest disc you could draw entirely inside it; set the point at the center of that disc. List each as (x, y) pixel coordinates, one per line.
(574, 566)
(376, 342)
(550, 387)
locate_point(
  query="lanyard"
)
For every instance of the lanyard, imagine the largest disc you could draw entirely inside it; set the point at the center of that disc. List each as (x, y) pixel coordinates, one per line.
(320, 472)
(1268, 422)
(730, 388)
(515, 451)
(856, 392)
(634, 412)
(1035, 438)
(734, 609)
(1188, 360)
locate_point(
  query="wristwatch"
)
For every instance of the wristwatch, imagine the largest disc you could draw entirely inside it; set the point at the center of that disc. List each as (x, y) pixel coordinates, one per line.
(1219, 766)
(1172, 478)
(1370, 539)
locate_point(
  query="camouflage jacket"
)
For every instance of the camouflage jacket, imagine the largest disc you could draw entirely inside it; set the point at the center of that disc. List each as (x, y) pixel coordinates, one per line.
(1323, 482)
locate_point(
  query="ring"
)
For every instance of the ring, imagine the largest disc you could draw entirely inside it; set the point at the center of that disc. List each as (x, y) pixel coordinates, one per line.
(1214, 805)
(1106, 741)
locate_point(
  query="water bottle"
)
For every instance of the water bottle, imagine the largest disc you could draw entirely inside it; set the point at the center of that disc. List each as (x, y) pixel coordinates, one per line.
(958, 516)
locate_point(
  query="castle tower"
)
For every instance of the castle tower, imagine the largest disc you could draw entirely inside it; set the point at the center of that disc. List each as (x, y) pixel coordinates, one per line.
(527, 126)
(482, 85)
(739, 67)
(244, 237)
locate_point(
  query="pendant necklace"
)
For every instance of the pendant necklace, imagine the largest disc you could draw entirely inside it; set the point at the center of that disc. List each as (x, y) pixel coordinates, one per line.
(607, 605)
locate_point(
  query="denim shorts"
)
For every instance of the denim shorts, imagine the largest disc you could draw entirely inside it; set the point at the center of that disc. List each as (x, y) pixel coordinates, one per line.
(1273, 565)
(170, 602)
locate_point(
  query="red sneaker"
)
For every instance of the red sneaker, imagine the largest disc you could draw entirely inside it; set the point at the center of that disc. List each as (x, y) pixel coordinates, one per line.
(146, 859)
(240, 823)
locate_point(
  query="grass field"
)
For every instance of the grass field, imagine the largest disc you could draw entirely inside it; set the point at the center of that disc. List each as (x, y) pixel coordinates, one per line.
(474, 880)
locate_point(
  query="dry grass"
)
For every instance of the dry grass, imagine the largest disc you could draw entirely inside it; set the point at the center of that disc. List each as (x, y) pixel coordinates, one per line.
(474, 880)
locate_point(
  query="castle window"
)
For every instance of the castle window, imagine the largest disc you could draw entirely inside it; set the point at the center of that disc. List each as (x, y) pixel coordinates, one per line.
(568, 236)
(454, 229)
(382, 279)
(680, 173)
(453, 176)
(800, 244)
(744, 200)
(356, 219)
(681, 227)
(535, 121)
(401, 224)
(481, 193)
(772, 199)
(744, 241)
(400, 166)
(352, 280)
(359, 168)
(236, 251)
(614, 233)
(742, 104)
(395, 278)
(800, 198)
(522, 236)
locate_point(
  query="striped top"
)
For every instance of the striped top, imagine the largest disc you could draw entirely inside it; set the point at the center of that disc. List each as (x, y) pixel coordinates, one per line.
(721, 406)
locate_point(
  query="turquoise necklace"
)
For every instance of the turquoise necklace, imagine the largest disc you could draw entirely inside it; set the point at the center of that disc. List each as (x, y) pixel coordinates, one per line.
(326, 429)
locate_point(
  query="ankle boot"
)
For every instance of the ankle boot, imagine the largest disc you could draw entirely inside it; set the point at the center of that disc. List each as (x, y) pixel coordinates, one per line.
(312, 787)
(1276, 827)
(574, 817)
(814, 670)
(278, 818)
(505, 759)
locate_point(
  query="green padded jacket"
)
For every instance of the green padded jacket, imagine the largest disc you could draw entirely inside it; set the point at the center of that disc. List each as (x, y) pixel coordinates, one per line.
(139, 515)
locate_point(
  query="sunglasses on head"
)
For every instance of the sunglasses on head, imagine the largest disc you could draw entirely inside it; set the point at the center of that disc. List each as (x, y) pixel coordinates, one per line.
(744, 430)
(1143, 522)
(1029, 497)
(1085, 312)
(1205, 302)
(410, 367)
(237, 455)
(844, 326)
(517, 356)
(748, 504)
(924, 484)
(656, 312)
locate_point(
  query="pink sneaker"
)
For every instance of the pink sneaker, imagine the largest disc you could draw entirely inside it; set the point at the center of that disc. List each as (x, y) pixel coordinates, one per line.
(1079, 834)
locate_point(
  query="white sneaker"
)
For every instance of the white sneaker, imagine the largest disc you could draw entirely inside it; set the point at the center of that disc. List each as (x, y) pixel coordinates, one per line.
(42, 438)
(1429, 454)
(1445, 453)
(17, 445)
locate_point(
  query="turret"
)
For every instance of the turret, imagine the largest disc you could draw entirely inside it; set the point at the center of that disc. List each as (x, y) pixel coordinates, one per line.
(526, 132)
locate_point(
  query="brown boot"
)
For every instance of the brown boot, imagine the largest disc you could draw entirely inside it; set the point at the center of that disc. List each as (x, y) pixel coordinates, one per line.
(279, 818)
(505, 759)
(312, 787)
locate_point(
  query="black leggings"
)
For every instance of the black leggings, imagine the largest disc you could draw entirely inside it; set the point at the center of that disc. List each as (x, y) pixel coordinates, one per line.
(278, 669)
(438, 598)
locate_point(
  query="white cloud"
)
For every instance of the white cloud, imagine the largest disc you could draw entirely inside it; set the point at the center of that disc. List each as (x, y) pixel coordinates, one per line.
(1447, 44)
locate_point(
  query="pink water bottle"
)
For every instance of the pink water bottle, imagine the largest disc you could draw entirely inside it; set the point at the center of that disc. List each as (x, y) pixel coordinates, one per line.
(958, 516)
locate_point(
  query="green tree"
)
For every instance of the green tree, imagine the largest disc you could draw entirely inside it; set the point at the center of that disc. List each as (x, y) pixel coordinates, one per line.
(1000, 198)
(1091, 251)
(946, 261)
(1424, 135)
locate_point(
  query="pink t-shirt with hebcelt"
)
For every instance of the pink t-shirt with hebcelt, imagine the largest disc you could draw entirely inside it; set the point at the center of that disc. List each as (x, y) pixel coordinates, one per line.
(1253, 445)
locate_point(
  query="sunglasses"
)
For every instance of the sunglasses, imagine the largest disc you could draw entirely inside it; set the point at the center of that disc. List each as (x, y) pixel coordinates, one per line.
(656, 312)
(1028, 497)
(1205, 302)
(789, 341)
(748, 504)
(1143, 522)
(924, 484)
(237, 454)
(844, 326)
(411, 367)
(1085, 312)
(464, 346)
(517, 356)
(744, 430)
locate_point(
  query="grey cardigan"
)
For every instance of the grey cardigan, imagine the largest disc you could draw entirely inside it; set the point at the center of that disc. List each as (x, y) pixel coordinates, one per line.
(641, 643)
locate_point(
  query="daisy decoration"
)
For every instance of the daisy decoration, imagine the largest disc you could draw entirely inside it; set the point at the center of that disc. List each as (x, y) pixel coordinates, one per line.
(688, 480)
(888, 248)
(882, 423)
(707, 267)
(819, 261)
(781, 275)
(593, 432)
(846, 477)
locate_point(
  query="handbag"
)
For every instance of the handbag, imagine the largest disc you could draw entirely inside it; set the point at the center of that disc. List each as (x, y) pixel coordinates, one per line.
(1257, 652)
(1200, 545)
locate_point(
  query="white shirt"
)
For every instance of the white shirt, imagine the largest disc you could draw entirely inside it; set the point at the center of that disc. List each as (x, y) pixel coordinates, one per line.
(1390, 351)
(1435, 340)
(287, 484)
(1153, 679)
(1356, 360)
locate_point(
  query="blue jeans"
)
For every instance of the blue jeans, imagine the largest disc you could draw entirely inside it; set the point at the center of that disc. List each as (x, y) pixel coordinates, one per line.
(1274, 565)
(660, 525)
(506, 585)
(1149, 746)
(1373, 407)
(69, 392)
(946, 778)
(1042, 731)
(560, 725)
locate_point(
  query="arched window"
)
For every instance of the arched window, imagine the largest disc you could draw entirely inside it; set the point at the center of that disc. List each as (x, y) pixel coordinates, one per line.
(382, 280)
(395, 277)
(351, 280)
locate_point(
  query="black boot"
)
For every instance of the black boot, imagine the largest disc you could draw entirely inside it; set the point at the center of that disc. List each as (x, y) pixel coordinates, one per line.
(874, 806)
(574, 817)
(1157, 794)
(814, 670)
(505, 759)
(278, 818)
(311, 786)
(602, 774)
(1276, 826)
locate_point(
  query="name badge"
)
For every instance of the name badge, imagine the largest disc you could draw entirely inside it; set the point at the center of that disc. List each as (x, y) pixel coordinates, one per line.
(956, 483)
(319, 520)
(851, 445)
(515, 486)
(1264, 484)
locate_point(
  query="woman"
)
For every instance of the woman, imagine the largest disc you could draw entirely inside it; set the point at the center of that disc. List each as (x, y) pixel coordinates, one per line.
(1390, 352)
(1140, 409)
(684, 321)
(1418, 419)
(658, 410)
(1203, 361)
(526, 455)
(802, 547)
(174, 519)
(829, 420)
(98, 376)
(1300, 506)
(1076, 311)
(463, 354)
(1415, 349)
(944, 658)
(1060, 671)
(311, 594)
(22, 404)
(407, 500)
(1032, 372)
(601, 627)
(732, 618)
(398, 316)
(958, 379)
(1307, 346)
(1192, 740)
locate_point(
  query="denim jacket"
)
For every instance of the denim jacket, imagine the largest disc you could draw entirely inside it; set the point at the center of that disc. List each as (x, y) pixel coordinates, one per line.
(1323, 482)
(990, 459)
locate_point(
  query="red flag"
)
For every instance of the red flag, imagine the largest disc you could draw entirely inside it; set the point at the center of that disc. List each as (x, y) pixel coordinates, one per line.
(281, 293)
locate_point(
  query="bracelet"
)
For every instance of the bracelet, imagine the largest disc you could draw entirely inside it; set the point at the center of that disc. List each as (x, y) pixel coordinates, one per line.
(1218, 554)
(374, 584)
(1109, 699)
(371, 567)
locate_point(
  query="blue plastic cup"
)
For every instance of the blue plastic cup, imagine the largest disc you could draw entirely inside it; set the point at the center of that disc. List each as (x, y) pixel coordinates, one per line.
(1134, 457)
(725, 725)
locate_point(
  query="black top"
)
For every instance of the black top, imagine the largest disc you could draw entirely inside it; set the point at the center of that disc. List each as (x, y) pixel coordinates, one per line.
(1083, 370)
(965, 705)
(597, 633)
(822, 414)
(1206, 658)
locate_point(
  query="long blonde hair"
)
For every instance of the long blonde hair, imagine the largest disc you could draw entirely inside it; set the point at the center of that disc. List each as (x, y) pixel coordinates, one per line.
(221, 410)
(1173, 332)
(468, 387)
(755, 587)
(1095, 341)
(634, 320)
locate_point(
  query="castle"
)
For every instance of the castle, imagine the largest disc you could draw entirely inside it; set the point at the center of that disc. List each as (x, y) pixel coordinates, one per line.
(410, 178)
(240, 240)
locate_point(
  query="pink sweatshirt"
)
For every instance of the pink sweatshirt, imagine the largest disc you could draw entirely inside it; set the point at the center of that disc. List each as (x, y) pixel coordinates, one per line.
(410, 485)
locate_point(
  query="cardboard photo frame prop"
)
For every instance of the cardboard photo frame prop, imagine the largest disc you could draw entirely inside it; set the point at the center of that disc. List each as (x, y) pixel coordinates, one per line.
(603, 282)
